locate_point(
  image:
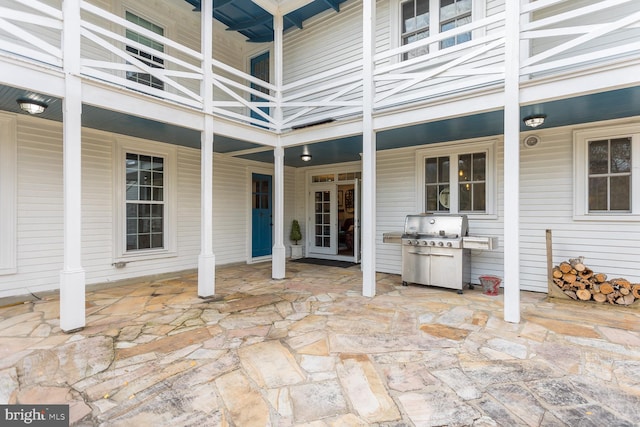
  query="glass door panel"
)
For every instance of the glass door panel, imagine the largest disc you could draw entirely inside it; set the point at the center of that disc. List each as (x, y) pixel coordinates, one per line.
(322, 222)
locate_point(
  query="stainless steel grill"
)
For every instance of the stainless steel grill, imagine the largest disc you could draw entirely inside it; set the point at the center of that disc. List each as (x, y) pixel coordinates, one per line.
(433, 252)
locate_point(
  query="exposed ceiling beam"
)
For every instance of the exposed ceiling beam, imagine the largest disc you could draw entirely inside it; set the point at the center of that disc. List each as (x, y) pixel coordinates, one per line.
(250, 23)
(333, 4)
(294, 19)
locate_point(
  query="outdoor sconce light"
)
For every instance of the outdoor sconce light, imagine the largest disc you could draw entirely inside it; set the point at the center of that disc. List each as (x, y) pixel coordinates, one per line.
(305, 157)
(535, 120)
(32, 106)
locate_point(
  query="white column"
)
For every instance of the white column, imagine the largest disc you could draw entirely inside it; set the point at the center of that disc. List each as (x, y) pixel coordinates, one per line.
(72, 276)
(278, 254)
(206, 259)
(368, 211)
(512, 164)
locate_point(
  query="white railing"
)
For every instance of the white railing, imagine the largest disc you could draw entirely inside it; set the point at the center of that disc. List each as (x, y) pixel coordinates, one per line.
(105, 57)
(33, 30)
(562, 38)
(476, 63)
(558, 36)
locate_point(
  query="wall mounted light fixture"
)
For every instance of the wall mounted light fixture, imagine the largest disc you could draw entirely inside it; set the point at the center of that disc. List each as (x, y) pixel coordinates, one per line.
(31, 106)
(535, 120)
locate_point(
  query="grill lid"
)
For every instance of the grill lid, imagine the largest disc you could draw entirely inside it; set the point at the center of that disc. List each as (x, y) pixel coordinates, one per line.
(436, 225)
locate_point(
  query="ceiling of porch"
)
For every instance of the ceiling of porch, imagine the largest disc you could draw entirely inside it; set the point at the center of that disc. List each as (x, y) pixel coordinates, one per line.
(255, 23)
(571, 111)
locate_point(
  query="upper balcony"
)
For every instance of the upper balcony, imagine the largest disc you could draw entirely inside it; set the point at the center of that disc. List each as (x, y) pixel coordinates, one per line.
(559, 40)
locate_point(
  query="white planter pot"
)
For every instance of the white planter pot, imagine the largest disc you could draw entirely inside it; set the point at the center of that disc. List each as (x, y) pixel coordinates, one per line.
(296, 251)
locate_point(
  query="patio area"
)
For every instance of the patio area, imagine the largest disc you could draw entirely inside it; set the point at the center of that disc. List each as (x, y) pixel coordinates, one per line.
(309, 350)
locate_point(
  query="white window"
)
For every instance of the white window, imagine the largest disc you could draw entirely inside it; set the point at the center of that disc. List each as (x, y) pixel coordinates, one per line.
(604, 173)
(147, 57)
(421, 18)
(145, 188)
(458, 178)
(8, 193)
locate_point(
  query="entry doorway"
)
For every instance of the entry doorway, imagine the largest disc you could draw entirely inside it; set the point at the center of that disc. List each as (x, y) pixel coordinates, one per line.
(261, 215)
(334, 221)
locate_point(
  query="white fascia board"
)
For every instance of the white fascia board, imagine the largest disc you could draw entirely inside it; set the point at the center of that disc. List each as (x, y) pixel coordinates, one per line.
(249, 133)
(439, 111)
(617, 76)
(36, 79)
(136, 105)
(281, 7)
(322, 133)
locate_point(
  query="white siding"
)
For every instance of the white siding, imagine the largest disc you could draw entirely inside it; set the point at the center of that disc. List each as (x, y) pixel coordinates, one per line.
(40, 209)
(397, 195)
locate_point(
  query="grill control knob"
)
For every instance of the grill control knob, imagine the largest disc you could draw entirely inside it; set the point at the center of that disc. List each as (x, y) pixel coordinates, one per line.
(440, 244)
(424, 242)
(449, 244)
(433, 243)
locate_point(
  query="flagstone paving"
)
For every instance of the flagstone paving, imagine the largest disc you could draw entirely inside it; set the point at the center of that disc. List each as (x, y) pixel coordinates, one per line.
(310, 350)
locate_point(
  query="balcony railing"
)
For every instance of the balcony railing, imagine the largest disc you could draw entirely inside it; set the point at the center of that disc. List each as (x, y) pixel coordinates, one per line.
(557, 37)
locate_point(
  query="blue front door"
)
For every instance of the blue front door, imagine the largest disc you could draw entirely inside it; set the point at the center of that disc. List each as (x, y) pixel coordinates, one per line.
(261, 215)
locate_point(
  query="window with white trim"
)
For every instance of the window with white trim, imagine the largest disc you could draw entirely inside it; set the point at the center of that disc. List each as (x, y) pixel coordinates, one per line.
(8, 193)
(147, 57)
(458, 179)
(604, 178)
(417, 22)
(145, 200)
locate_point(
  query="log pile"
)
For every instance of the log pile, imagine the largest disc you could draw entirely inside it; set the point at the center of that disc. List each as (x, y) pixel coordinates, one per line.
(579, 282)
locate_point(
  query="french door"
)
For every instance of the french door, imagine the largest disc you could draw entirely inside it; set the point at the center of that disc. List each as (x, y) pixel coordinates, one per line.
(323, 229)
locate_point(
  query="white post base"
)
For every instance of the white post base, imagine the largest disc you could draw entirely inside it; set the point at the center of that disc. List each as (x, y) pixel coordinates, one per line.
(278, 259)
(72, 300)
(206, 276)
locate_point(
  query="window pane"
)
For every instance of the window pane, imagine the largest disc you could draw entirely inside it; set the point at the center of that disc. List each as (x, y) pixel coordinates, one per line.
(598, 194)
(443, 198)
(598, 157)
(431, 170)
(620, 193)
(443, 169)
(620, 155)
(465, 197)
(479, 197)
(431, 203)
(479, 166)
(132, 192)
(464, 167)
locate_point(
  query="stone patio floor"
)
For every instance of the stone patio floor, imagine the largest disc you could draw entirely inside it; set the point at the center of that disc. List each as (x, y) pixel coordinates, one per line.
(309, 350)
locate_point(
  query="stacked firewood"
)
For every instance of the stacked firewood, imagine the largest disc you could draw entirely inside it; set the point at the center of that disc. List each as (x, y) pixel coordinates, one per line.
(580, 283)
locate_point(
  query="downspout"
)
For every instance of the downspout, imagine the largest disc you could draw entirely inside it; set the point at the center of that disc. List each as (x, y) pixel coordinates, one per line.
(72, 276)
(368, 212)
(278, 255)
(511, 179)
(206, 259)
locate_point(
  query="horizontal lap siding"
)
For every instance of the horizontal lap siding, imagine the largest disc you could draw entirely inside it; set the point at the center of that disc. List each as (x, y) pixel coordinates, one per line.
(547, 203)
(40, 209)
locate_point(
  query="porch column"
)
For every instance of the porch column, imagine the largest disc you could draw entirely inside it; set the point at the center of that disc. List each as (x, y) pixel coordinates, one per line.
(72, 276)
(512, 163)
(206, 259)
(368, 211)
(278, 254)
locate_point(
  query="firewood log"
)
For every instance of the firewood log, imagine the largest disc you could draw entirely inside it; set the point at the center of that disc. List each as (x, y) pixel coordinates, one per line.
(586, 273)
(635, 290)
(625, 300)
(569, 277)
(583, 294)
(599, 297)
(606, 288)
(624, 291)
(600, 277)
(557, 273)
(623, 283)
(565, 267)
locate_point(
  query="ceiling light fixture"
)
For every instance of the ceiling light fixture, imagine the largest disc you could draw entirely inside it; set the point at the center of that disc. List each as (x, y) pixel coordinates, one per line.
(305, 157)
(32, 106)
(535, 120)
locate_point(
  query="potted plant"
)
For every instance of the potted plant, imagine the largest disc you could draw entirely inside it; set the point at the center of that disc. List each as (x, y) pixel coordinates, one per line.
(295, 236)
